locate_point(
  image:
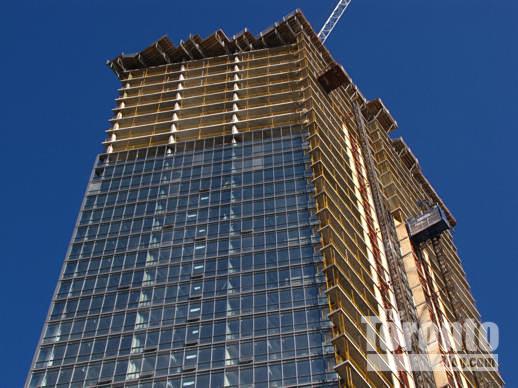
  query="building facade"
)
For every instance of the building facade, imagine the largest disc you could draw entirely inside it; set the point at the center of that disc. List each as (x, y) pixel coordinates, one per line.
(248, 214)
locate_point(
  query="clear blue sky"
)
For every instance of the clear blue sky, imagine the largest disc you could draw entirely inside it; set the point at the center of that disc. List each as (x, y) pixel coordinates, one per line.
(447, 70)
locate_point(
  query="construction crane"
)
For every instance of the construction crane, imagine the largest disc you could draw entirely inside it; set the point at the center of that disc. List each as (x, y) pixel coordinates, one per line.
(330, 24)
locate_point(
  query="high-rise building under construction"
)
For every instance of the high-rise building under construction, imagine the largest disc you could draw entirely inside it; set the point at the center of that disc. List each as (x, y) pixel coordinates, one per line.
(252, 222)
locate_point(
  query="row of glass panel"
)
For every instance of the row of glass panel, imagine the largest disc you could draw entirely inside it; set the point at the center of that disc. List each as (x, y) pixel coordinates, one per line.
(301, 371)
(185, 234)
(281, 256)
(260, 324)
(257, 138)
(212, 196)
(180, 186)
(201, 248)
(194, 278)
(105, 303)
(274, 347)
(278, 220)
(181, 315)
(211, 163)
(234, 209)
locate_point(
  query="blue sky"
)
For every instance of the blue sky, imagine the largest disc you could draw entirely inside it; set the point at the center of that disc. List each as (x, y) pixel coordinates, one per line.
(447, 70)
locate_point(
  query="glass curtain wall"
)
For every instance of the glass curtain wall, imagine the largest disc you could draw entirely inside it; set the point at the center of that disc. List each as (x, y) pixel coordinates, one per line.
(196, 264)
